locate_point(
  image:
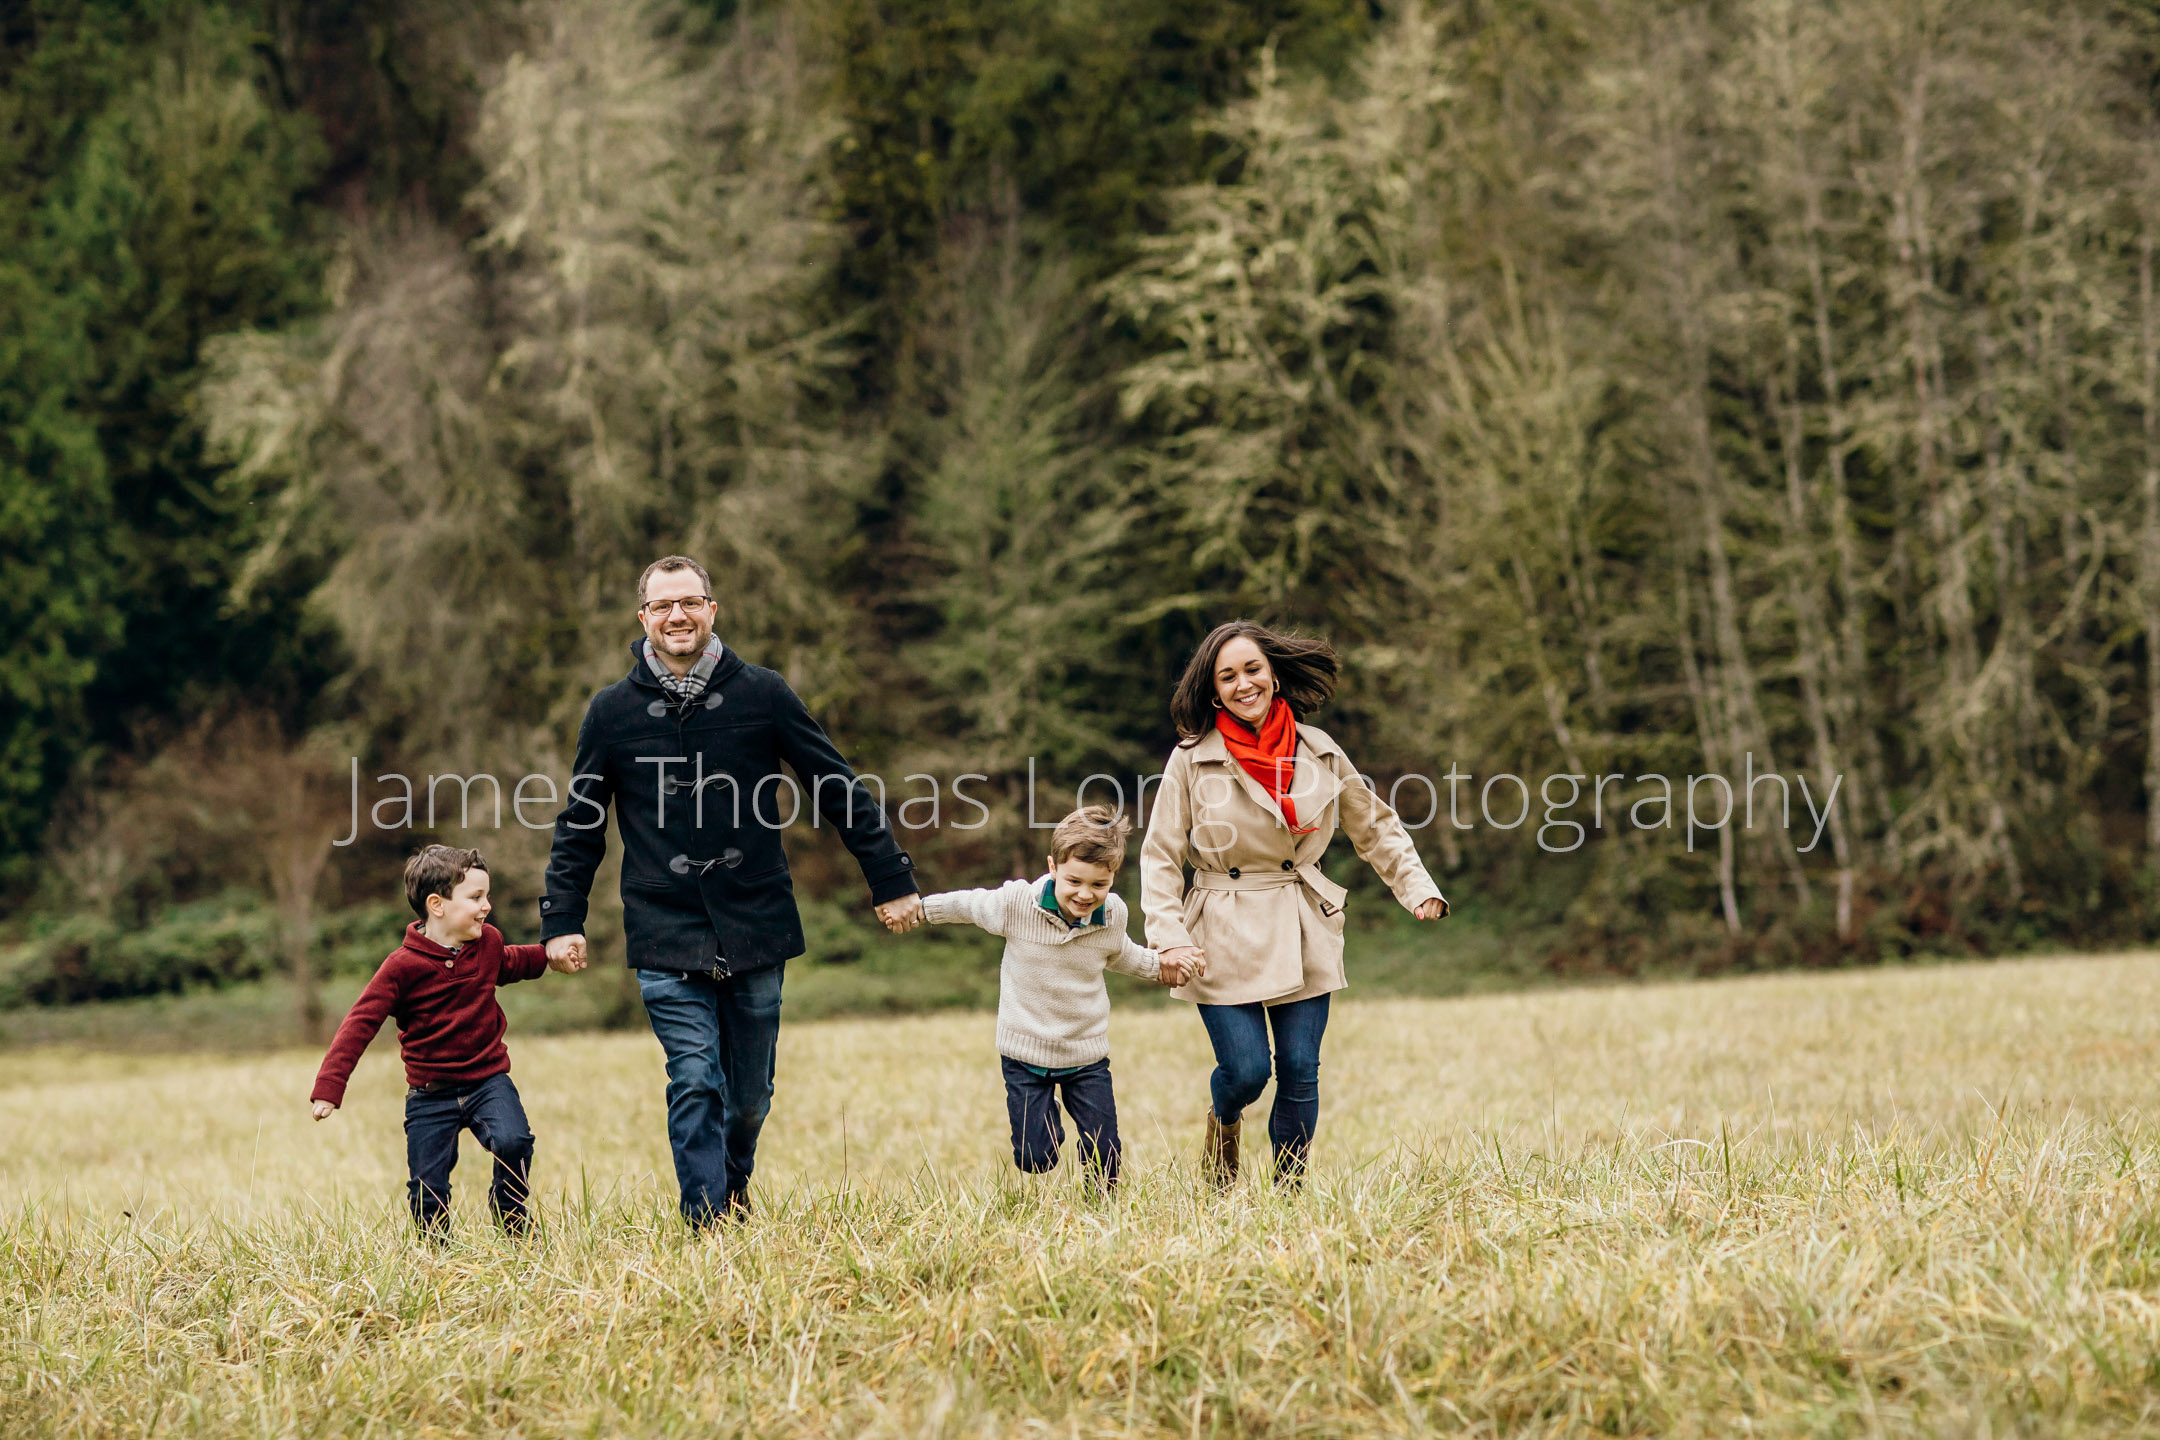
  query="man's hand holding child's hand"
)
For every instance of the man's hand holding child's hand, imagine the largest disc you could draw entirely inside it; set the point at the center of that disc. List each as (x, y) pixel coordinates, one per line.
(324, 1109)
(1182, 965)
(902, 915)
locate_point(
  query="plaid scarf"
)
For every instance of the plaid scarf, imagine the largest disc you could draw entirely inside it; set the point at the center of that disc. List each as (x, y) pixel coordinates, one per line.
(683, 689)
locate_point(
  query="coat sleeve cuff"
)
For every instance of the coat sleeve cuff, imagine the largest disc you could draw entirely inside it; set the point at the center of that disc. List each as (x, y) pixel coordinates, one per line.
(1166, 935)
(897, 886)
(561, 915)
(1419, 892)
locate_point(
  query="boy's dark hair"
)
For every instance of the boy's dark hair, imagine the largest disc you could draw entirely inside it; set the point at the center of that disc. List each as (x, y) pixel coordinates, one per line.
(672, 562)
(1304, 674)
(437, 871)
(1095, 834)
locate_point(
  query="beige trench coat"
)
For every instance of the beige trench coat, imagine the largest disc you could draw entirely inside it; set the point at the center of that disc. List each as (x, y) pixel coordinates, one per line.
(1270, 921)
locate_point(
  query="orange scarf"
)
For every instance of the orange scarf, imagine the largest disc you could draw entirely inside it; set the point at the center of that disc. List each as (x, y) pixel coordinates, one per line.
(1270, 756)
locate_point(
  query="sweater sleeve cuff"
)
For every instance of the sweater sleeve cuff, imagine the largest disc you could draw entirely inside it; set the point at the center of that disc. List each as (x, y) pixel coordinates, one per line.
(328, 1089)
(525, 962)
(945, 908)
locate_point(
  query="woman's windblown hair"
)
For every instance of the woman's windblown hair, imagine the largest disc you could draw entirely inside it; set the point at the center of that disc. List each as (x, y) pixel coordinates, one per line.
(1304, 674)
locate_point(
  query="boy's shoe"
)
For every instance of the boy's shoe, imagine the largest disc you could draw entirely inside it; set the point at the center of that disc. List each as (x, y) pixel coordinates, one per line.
(1290, 1170)
(734, 1209)
(1219, 1157)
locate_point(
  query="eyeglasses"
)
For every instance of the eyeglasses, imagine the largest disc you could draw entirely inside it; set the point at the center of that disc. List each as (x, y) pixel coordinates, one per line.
(692, 606)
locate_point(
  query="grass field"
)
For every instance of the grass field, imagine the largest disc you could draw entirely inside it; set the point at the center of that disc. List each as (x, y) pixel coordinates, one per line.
(1906, 1201)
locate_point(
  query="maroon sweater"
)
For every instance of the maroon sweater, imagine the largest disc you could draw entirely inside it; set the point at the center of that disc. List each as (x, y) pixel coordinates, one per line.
(449, 1025)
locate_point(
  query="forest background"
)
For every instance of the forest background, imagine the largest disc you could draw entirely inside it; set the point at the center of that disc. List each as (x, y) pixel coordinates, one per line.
(1623, 387)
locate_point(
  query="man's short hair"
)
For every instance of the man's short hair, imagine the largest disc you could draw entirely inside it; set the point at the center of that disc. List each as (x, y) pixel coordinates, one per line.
(437, 870)
(672, 562)
(1094, 834)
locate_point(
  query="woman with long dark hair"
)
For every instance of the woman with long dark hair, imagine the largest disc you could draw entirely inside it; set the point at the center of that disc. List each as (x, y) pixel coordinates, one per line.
(1249, 800)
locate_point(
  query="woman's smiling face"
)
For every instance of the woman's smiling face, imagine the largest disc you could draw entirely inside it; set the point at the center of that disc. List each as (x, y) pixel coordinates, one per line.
(1244, 681)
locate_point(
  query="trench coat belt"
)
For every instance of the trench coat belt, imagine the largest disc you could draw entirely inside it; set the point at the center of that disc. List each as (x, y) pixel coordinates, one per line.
(1327, 892)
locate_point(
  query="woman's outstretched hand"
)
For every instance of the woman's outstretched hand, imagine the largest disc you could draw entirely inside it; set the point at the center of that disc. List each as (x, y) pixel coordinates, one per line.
(1433, 909)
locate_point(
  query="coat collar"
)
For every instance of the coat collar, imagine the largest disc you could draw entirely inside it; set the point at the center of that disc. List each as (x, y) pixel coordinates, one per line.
(1315, 782)
(641, 673)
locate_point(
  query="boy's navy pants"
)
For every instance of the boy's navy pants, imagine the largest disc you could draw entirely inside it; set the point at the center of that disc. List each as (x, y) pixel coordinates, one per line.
(1031, 1101)
(435, 1116)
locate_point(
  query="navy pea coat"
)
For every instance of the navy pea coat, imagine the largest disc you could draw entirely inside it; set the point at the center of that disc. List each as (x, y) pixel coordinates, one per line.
(700, 805)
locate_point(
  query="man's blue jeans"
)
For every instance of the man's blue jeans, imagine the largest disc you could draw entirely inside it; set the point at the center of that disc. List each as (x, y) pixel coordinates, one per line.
(719, 1034)
(1242, 1064)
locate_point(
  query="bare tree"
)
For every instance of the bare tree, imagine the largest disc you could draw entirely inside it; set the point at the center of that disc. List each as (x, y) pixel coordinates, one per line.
(239, 781)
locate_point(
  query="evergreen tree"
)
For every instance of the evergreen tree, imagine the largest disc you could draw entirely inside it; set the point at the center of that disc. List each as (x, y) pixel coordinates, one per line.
(153, 196)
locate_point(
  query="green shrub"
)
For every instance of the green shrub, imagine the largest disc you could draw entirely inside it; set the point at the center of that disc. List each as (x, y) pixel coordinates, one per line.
(354, 941)
(206, 945)
(88, 957)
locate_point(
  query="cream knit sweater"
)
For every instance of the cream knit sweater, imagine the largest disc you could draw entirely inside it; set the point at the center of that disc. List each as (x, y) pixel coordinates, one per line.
(1053, 1009)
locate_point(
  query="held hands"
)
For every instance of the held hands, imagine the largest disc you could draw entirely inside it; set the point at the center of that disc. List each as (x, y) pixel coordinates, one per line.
(1181, 965)
(902, 915)
(324, 1109)
(1433, 909)
(565, 955)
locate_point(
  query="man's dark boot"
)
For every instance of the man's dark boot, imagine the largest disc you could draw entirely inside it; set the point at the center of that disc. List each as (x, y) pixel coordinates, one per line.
(1218, 1161)
(737, 1207)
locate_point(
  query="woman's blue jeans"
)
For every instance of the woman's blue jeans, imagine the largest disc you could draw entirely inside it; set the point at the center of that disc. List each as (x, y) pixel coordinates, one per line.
(1242, 1067)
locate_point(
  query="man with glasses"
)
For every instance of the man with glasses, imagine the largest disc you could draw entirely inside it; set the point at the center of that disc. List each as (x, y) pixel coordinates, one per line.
(687, 748)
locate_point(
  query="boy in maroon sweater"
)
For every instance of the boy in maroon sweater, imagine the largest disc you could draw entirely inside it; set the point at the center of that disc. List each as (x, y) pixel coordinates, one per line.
(440, 985)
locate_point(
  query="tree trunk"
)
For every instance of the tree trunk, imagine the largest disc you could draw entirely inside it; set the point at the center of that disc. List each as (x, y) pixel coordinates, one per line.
(1847, 674)
(1706, 728)
(1735, 687)
(2148, 564)
(1965, 790)
(298, 927)
(1816, 658)
(299, 851)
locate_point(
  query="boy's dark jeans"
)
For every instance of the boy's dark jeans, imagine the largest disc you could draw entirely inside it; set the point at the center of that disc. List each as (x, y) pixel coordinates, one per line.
(720, 1034)
(1031, 1101)
(434, 1119)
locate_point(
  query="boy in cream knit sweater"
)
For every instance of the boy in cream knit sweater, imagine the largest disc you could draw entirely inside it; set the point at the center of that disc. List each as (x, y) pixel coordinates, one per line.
(1053, 1026)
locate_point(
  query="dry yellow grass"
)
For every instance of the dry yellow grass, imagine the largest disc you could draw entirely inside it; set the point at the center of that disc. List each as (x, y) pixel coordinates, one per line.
(1913, 1201)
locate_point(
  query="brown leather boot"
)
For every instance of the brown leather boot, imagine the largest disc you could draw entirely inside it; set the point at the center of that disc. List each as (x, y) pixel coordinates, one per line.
(1218, 1161)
